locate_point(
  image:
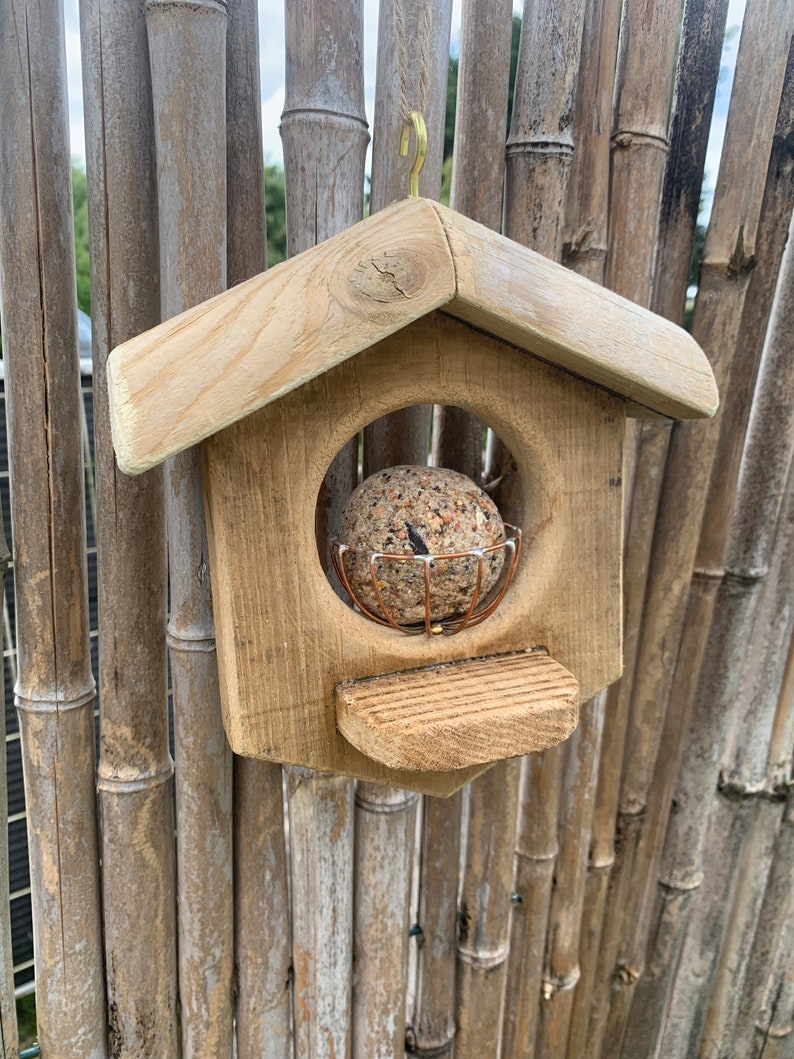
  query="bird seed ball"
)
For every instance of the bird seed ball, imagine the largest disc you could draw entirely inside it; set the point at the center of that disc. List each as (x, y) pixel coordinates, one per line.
(424, 511)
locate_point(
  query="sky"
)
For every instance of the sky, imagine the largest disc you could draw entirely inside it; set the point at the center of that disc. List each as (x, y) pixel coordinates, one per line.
(271, 47)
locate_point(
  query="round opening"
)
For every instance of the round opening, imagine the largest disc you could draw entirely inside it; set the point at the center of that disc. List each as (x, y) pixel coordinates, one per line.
(417, 520)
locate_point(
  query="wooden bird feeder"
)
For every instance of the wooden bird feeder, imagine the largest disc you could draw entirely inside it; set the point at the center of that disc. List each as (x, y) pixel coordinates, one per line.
(414, 305)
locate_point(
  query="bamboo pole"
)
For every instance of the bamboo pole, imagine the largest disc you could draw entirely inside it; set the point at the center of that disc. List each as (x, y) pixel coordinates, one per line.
(461, 982)
(538, 157)
(432, 1024)
(324, 133)
(481, 111)
(321, 852)
(562, 972)
(484, 910)
(385, 825)
(477, 174)
(638, 163)
(716, 323)
(577, 900)
(733, 628)
(9, 1035)
(135, 767)
(767, 628)
(727, 259)
(484, 900)
(670, 907)
(769, 969)
(187, 45)
(55, 687)
(413, 57)
(413, 50)
(262, 944)
(540, 144)
(745, 781)
(587, 203)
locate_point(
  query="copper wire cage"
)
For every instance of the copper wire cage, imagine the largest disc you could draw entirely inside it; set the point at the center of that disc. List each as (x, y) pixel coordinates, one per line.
(479, 608)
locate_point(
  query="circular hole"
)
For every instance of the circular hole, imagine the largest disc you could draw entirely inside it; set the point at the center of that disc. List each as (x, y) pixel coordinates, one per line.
(409, 519)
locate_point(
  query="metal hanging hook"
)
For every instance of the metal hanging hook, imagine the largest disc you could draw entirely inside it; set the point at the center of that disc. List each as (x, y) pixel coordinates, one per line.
(420, 130)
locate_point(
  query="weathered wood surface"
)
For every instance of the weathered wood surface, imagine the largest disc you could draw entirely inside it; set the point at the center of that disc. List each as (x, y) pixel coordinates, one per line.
(187, 46)
(540, 144)
(411, 75)
(55, 687)
(464, 713)
(647, 43)
(306, 428)
(663, 918)
(262, 947)
(488, 833)
(679, 174)
(135, 776)
(218, 362)
(324, 134)
(385, 827)
(9, 1034)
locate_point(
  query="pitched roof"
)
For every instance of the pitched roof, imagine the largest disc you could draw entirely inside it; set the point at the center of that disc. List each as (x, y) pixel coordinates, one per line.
(201, 371)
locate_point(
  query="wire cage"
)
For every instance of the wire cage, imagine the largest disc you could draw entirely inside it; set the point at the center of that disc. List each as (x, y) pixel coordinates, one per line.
(480, 606)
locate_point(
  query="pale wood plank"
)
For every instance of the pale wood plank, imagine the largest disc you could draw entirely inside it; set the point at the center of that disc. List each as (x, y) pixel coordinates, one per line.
(465, 713)
(213, 365)
(279, 624)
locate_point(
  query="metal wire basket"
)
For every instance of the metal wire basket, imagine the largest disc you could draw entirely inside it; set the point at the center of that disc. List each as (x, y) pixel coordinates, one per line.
(479, 608)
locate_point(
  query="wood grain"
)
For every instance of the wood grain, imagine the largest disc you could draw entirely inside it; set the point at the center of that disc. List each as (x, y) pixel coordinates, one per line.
(464, 713)
(221, 360)
(279, 623)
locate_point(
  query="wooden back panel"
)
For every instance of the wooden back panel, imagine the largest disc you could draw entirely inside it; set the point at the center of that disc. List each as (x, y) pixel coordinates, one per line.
(285, 639)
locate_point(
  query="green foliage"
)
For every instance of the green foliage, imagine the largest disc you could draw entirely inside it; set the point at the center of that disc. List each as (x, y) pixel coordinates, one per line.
(275, 214)
(80, 203)
(26, 1019)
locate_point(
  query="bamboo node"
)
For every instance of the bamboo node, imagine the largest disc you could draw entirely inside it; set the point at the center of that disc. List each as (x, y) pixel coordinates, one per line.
(682, 882)
(561, 983)
(639, 139)
(736, 788)
(626, 975)
(483, 959)
(51, 704)
(385, 808)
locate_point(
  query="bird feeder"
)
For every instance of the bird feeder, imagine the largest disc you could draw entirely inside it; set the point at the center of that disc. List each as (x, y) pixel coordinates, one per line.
(413, 305)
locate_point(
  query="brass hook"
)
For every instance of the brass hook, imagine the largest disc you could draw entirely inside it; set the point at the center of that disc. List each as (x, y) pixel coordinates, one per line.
(420, 129)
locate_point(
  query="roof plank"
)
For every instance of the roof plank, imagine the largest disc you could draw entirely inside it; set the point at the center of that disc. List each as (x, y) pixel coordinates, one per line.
(214, 364)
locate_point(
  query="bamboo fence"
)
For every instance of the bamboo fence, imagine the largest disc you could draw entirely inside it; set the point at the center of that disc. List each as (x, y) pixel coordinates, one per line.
(627, 894)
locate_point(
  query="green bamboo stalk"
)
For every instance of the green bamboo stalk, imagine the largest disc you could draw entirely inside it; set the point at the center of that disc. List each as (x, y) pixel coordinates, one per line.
(262, 945)
(55, 688)
(187, 45)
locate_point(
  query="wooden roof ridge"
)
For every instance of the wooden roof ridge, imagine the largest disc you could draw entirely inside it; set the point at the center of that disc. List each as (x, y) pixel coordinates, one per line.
(214, 364)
